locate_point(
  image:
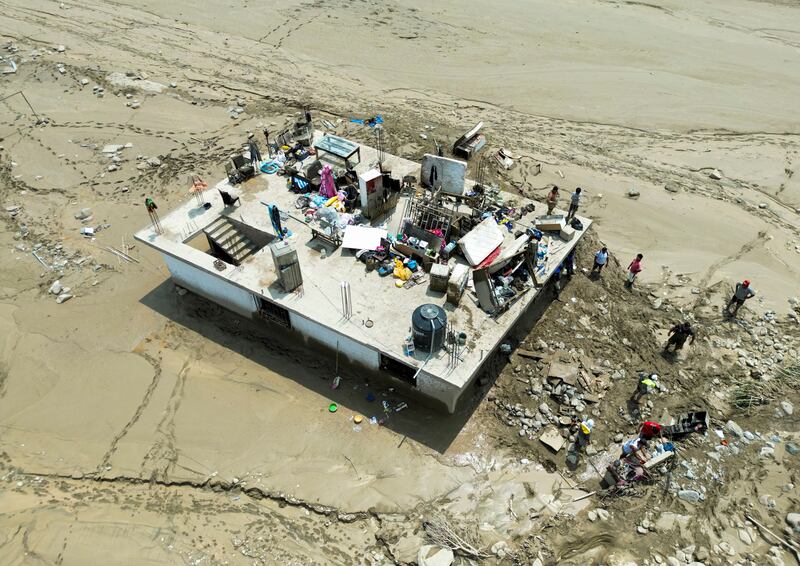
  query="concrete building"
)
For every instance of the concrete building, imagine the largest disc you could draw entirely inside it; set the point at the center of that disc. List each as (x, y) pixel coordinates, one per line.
(225, 253)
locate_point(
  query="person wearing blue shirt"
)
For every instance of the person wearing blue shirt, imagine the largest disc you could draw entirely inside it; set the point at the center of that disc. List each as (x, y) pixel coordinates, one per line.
(600, 260)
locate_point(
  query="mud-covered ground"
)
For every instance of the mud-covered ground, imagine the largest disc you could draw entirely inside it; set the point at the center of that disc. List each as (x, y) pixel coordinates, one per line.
(141, 424)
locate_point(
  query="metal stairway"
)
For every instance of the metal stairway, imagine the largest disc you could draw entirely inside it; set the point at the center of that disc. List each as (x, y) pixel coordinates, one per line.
(227, 240)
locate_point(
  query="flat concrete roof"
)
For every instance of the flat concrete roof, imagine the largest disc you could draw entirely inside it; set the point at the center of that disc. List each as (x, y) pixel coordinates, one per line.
(374, 298)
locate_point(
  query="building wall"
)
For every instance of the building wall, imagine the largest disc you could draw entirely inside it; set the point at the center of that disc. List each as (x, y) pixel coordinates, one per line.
(351, 349)
(436, 388)
(214, 288)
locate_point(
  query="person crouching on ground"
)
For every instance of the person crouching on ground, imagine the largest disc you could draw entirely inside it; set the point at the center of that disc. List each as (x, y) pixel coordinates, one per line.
(650, 430)
(584, 436)
(647, 384)
(635, 447)
(634, 269)
(740, 295)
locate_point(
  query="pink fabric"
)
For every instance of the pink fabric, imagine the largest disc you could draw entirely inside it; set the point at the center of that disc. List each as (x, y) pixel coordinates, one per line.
(635, 266)
(327, 186)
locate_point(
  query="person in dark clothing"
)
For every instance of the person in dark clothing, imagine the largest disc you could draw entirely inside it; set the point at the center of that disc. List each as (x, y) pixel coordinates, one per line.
(574, 203)
(678, 335)
(556, 277)
(569, 263)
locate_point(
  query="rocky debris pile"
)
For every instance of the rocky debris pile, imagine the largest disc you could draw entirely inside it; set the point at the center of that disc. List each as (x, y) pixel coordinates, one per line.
(563, 388)
(237, 109)
(111, 152)
(766, 347)
(148, 162)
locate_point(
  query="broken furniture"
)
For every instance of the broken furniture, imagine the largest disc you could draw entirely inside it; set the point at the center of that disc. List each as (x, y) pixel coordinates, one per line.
(239, 169)
(686, 424)
(371, 193)
(363, 238)
(470, 143)
(339, 149)
(481, 241)
(442, 173)
(327, 232)
(227, 198)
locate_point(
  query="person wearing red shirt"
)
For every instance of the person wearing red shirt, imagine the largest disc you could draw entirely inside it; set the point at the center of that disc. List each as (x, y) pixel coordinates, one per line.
(650, 430)
(633, 269)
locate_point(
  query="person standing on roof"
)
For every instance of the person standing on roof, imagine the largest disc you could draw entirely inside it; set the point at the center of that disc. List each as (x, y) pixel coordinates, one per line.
(600, 260)
(255, 153)
(634, 269)
(552, 200)
(574, 202)
(743, 292)
(647, 384)
(678, 335)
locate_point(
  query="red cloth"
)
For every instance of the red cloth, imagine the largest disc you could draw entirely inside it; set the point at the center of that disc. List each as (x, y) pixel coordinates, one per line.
(635, 266)
(650, 429)
(489, 258)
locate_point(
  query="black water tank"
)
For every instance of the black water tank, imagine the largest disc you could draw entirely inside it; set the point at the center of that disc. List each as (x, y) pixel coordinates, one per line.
(429, 326)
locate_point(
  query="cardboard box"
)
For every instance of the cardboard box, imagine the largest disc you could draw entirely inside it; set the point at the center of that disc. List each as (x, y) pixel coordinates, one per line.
(552, 223)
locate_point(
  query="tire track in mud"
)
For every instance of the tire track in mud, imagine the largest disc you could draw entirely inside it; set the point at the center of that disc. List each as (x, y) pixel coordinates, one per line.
(163, 454)
(148, 394)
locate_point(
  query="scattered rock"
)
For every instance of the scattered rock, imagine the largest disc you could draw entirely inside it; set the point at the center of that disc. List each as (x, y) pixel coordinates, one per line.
(434, 555)
(744, 536)
(734, 429)
(56, 288)
(672, 188)
(154, 162)
(716, 175)
(793, 520)
(83, 214)
(500, 548)
(633, 193)
(702, 554)
(603, 515)
(787, 407)
(618, 437)
(63, 297)
(592, 515)
(689, 495)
